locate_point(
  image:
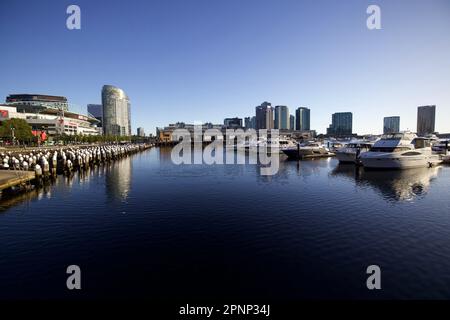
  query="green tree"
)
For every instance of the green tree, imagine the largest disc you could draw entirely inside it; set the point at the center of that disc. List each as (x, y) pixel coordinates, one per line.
(20, 128)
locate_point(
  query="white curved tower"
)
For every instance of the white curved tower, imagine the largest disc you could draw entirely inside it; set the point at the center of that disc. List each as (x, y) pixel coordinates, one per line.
(116, 111)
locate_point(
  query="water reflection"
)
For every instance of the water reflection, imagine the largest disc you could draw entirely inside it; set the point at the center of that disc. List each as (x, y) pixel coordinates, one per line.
(397, 185)
(118, 178)
(11, 199)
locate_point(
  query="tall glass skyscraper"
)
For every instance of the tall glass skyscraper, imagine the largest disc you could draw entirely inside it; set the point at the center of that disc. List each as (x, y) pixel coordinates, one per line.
(281, 117)
(303, 119)
(341, 124)
(96, 110)
(291, 122)
(264, 116)
(391, 125)
(426, 117)
(116, 111)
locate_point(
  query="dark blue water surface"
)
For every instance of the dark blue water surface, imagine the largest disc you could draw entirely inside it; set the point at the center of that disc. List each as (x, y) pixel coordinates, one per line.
(144, 227)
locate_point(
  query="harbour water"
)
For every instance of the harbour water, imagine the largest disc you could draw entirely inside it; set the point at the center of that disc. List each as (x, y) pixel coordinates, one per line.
(143, 227)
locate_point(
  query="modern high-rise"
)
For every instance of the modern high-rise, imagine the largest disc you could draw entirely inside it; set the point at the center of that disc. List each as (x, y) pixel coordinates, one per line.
(391, 125)
(291, 122)
(426, 116)
(248, 122)
(253, 122)
(341, 124)
(303, 119)
(116, 112)
(140, 132)
(281, 117)
(96, 111)
(264, 116)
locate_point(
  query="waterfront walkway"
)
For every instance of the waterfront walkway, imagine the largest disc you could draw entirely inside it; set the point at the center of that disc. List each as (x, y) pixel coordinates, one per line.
(11, 178)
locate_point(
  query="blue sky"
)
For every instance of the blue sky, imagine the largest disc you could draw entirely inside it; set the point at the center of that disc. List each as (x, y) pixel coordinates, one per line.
(204, 60)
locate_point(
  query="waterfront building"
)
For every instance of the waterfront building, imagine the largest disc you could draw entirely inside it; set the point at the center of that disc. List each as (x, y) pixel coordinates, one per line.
(303, 119)
(341, 124)
(116, 111)
(247, 122)
(253, 122)
(38, 101)
(96, 111)
(426, 117)
(281, 117)
(165, 134)
(51, 120)
(140, 132)
(264, 116)
(233, 123)
(48, 113)
(391, 125)
(291, 122)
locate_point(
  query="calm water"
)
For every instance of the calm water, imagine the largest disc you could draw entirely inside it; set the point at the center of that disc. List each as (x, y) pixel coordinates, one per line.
(143, 227)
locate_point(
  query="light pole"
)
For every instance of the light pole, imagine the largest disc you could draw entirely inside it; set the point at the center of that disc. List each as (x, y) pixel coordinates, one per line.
(12, 134)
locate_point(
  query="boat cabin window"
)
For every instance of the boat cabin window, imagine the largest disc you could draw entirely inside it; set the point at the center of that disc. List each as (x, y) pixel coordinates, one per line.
(393, 136)
(387, 149)
(421, 143)
(411, 153)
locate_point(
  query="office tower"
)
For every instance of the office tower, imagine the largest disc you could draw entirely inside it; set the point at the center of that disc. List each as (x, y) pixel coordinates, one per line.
(247, 122)
(426, 116)
(291, 122)
(96, 111)
(116, 111)
(264, 116)
(281, 117)
(341, 125)
(391, 125)
(253, 122)
(302, 116)
(140, 132)
(233, 123)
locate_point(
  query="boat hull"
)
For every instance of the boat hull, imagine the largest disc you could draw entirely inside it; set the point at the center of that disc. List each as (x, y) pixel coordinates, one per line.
(346, 157)
(393, 161)
(295, 153)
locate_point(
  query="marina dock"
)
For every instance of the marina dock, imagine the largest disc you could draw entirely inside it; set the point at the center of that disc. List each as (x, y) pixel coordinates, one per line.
(12, 178)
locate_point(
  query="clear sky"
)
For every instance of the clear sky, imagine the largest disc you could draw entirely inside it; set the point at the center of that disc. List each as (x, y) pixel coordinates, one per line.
(204, 60)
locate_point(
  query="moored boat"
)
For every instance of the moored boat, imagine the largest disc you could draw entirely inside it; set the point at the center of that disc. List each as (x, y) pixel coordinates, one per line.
(307, 150)
(351, 153)
(400, 151)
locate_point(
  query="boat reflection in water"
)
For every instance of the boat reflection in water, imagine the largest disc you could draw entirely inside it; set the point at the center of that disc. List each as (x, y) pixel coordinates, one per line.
(394, 185)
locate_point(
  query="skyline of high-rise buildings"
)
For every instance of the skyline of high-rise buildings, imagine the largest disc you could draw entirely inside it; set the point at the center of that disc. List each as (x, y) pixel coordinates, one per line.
(342, 122)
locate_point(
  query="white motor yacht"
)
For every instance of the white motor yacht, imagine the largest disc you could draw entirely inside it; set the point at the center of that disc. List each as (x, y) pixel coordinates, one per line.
(307, 150)
(351, 152)
(400, 151)
(442, 146)
(280, 143)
